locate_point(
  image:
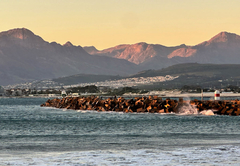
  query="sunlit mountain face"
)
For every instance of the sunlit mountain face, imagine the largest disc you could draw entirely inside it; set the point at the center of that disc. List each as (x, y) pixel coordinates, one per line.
(222, 48)
(26, 56)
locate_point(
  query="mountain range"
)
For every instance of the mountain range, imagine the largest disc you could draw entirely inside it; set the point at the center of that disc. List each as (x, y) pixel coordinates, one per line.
(26, 56)
(224, 48)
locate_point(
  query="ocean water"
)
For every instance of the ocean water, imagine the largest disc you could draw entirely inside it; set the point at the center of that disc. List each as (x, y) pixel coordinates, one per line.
(32, 135)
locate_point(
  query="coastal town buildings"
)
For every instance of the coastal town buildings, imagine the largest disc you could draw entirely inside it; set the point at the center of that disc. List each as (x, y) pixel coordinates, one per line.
(50, 88)
(127, 82)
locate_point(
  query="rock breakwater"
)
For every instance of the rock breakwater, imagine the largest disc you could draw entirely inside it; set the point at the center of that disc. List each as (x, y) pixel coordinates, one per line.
(151, 104)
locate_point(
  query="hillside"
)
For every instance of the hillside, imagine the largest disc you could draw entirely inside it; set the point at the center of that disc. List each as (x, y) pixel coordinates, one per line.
(223, 48)
(224, 70)
(135, 53)
(189, 74)
(27, 57)
(205, 75)
(85, 78)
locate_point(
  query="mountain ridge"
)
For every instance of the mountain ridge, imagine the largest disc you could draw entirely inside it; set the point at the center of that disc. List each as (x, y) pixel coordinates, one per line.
(136, 53)
(26, 57)
(145, 54)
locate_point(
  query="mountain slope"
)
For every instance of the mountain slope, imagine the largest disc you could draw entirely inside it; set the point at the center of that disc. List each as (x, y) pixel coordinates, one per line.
(91, 49)
(194, 74)
(224, 48)
(26, 56)
(224, 70)
(136, 53)
(85, 78)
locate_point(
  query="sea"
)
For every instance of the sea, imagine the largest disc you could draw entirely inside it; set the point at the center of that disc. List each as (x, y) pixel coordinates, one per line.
(34, 135)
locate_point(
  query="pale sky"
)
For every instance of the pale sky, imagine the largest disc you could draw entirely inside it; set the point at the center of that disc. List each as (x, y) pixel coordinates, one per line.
(107, 23)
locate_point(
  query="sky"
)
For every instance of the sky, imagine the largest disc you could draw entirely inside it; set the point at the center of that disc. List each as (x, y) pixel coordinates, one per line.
(107, 23)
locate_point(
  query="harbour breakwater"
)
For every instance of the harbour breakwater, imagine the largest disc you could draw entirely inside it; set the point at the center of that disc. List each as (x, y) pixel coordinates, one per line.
(151, 104)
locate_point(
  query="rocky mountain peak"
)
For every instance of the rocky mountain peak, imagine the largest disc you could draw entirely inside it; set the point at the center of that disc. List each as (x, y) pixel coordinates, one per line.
(21, 36)
(141, 43)
(68, 44)
(224, 37)
(19, 33)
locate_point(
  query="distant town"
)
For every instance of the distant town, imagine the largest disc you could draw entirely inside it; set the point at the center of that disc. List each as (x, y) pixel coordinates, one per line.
(128, 82)
(128, 86)
(51, 88)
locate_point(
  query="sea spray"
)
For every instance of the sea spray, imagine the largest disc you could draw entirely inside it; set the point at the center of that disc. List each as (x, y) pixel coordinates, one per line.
(207, 112)
(187, 109)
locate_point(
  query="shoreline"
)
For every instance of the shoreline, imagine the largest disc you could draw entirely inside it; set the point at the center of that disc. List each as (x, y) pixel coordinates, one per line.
(163, 95)
(183, 95)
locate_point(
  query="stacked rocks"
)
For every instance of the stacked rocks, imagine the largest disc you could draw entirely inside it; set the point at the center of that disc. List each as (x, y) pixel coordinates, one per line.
(223, 107)
(151, 104)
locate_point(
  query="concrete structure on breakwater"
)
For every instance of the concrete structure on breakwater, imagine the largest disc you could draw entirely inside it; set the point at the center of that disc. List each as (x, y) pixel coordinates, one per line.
(149, 104)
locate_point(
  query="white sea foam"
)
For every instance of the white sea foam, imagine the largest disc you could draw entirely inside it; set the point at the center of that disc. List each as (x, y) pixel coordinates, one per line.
(207, 112)
(188, 109)
(221, 155)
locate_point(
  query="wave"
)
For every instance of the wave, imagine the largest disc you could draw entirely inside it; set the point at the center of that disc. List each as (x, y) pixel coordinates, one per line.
(215, 155)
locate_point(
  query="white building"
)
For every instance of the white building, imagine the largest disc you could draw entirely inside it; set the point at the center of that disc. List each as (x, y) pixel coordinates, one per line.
(63, 93)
